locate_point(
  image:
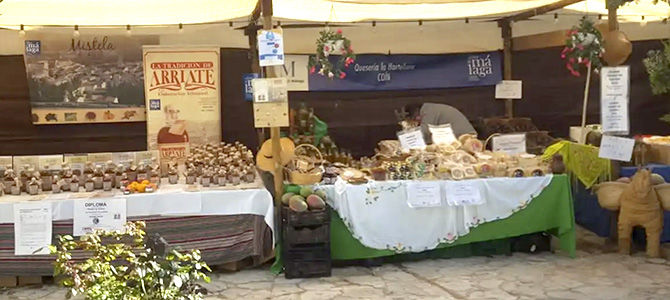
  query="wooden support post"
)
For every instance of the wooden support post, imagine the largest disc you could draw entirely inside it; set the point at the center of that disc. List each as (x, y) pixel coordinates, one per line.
(613, 24)
(266, 10)
(255, 68)
(506, 31)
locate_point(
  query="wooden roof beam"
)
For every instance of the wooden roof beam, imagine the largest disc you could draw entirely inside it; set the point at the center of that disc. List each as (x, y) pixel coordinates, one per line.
(540, 10)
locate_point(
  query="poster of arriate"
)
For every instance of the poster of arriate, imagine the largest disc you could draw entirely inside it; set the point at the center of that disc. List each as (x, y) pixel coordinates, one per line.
(85, 79)
(182, 99)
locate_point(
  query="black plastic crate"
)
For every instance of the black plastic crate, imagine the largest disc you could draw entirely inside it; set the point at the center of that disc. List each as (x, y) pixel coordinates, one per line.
(308, 253)
(306, 218)
(307, 269)
(306, 235)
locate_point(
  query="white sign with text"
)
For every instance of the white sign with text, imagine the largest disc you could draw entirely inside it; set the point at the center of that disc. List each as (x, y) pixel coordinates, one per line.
(616, 148)
(424, 194)
(106, 214)
(512, 144)
(32, 228)
(411, 139)
(509, 89)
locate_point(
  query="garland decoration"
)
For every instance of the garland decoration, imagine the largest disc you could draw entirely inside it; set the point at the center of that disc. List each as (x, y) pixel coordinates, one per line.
(332, 43)
(584, 46)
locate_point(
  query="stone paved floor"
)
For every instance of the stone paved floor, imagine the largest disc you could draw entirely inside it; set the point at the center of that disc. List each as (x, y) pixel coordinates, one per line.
(597, 273)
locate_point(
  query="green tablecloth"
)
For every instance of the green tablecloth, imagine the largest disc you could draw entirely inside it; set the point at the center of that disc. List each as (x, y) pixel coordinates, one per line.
(551, 211)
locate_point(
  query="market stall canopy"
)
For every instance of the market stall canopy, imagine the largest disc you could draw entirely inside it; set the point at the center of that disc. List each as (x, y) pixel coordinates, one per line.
(397, 28)
(121, 12)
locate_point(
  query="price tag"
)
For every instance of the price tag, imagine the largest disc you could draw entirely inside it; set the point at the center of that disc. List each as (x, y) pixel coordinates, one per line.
(616, 148)
(424, 194)
(442, 134)
(509, 89)
(411, 139)
(461, 193)
(510, 143)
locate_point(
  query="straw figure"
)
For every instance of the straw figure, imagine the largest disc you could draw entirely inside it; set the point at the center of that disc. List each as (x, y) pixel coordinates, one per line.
(640, 206)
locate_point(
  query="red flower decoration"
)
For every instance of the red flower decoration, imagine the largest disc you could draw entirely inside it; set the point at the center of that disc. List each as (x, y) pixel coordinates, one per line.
(339, 31)
(312, 70)
(342, 75)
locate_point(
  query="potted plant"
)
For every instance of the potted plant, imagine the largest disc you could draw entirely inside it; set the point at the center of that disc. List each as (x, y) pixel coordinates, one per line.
(657, 64)
(130, 271)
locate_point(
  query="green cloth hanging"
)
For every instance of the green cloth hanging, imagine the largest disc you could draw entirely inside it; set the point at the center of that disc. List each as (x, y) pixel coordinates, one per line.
(320, 130)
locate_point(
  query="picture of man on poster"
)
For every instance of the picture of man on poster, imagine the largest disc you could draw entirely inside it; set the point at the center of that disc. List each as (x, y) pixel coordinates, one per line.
(174, 130)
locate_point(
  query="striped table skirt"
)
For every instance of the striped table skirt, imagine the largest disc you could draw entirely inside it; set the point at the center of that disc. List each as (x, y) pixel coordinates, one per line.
(221, 239)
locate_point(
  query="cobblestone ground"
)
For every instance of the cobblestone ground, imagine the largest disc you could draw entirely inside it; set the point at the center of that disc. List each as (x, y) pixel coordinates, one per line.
(597, 273)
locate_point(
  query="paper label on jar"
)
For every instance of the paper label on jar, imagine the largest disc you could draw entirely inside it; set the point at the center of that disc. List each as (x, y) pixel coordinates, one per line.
(172, 153)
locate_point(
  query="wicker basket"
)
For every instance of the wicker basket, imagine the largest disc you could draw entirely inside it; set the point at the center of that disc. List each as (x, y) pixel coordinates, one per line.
(609, 194)
(663, 192)
(295, 177)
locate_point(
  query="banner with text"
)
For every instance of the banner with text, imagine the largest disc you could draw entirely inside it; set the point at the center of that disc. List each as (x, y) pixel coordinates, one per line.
(85, 79)
(407, 72)
(182, 99)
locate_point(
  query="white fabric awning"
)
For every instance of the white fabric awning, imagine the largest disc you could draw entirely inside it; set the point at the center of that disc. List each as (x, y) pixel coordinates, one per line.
(121, 12)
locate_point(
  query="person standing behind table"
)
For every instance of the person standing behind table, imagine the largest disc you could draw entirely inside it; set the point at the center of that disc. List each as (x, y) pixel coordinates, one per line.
(439, 114)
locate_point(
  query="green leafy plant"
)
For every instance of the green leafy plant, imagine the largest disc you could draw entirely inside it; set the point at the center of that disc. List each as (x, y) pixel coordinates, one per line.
(126, 265)
(657, 64)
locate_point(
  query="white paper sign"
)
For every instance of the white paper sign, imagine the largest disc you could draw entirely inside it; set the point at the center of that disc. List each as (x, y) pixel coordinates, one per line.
(615, 81)
(270, 48)
(442, 134)
(461, 193)
(411, 139)
(510, 143)
(21, 161)
(32, 228)
(5, 161)
(123, 158)
(616, 148)
(269, 90)
(107, 214)
(424, 194)
(509, 89)
(614, 114)
(50, 162)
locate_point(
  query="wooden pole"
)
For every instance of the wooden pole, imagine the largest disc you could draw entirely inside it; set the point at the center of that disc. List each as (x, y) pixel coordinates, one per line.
(586, 95)
(266, 11)
(255, 68)
(506, 31)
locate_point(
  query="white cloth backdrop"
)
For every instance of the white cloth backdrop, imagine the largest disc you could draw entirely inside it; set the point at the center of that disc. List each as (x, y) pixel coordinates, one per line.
(169, 200)
(377, 213)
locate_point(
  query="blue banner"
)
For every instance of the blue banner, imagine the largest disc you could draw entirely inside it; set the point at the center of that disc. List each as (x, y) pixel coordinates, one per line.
(408, 72)
(248, 90)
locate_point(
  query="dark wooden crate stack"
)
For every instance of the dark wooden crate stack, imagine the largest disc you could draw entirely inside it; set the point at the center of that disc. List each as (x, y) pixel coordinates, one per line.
(306, 243)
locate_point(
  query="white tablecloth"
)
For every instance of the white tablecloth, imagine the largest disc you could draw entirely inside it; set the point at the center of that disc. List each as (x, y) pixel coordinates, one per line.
(377, 213)
(168, 200)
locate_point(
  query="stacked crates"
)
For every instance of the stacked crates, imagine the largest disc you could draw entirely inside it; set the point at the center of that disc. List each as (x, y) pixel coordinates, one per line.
(306, 243)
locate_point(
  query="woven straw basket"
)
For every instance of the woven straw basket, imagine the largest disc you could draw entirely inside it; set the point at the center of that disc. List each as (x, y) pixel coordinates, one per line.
(295, 177)
(663, 192)
(609, 194)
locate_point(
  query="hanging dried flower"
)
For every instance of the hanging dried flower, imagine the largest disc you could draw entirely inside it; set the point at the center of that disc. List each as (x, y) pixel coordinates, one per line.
(583, 46)
(332, 44)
